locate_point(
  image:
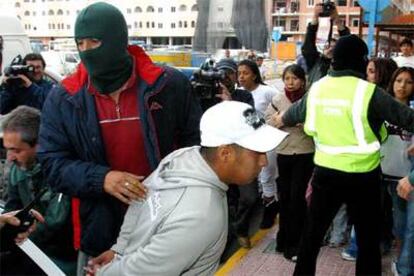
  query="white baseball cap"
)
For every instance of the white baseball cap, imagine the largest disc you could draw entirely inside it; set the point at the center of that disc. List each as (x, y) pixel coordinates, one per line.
(232, 122)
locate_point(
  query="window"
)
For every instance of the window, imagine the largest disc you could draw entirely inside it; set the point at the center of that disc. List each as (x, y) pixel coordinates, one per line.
(341, 2)
(172, 25)
(159, 25)
(355, 3)
(17, 5)
(138, 9)
(172, 9)
(193, 24)
(152, 24)
(68, 26)
(311, 3)
(342, 19)
(59, 12)
(140, 24)
(194, 8)
(26, 13)
(129, 10)
(34, 13)
(148, 24)
(135, 25)
(277, 22)
(185, 24)
(67, 12)
(355, 22)
(180, 24)
(183, 8)
(51, 12)
(160, 9)
(220, 9)
(294, 25)
(43, 13)
(129, 26)
(150, 9)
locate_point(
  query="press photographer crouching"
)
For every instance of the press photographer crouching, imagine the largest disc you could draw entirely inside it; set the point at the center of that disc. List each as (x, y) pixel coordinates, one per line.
(218, 84)
(24, 84)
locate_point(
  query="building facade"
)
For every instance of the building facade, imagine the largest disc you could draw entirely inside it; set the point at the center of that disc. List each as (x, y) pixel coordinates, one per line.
(292, 16)
(173, 22)
(150, 21)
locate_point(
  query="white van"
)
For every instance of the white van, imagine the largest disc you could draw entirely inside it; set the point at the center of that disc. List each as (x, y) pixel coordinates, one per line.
(15, 40)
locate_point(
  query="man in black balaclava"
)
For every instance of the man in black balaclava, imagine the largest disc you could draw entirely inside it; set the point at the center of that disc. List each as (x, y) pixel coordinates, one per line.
(107, 126)
(345, 115)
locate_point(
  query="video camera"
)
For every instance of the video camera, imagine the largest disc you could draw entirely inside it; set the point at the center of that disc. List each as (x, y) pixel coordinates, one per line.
(327, 8)
(17, 68)
(206, 83)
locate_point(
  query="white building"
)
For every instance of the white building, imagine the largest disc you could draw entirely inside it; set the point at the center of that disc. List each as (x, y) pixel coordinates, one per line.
(152, 21)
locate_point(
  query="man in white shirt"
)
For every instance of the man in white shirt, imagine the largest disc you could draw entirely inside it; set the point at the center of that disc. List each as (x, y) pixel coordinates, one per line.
(407, 56)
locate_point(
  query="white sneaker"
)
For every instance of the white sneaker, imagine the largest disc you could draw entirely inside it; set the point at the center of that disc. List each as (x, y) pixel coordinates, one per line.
(394, 268)
(348, 257)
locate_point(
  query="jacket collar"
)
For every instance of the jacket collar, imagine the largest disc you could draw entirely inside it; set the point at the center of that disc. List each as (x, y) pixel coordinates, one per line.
(23, 174)
(343, 73)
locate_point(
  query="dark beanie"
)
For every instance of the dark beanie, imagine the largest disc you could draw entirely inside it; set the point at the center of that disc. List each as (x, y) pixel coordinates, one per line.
(350, 53)
(227, 64)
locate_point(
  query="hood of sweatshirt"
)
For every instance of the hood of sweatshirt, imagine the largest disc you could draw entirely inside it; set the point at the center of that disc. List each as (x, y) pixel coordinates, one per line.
(182, 168)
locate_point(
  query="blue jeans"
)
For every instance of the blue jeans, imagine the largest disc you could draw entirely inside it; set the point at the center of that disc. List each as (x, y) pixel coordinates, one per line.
(352, 248)
(399, 212)
(405, 263)
(339, 227)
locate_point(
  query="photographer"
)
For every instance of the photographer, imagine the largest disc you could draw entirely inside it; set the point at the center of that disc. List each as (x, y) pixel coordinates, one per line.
(317, 63)
(227, 90)
(31, 89)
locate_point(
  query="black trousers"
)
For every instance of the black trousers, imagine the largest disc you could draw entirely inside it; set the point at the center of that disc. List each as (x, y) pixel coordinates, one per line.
(295, 172)
(248, 197)
(361, 193)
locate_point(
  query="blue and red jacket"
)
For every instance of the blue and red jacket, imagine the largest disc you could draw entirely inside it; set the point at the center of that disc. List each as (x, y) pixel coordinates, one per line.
(71, 148)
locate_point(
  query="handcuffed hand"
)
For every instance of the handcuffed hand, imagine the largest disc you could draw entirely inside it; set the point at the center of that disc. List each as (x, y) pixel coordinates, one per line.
(96, 263)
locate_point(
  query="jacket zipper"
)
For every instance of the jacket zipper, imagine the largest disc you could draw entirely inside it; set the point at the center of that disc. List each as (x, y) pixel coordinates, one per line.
(118, 111)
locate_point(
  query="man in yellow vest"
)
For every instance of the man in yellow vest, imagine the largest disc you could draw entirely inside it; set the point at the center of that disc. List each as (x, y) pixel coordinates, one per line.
(345, 115)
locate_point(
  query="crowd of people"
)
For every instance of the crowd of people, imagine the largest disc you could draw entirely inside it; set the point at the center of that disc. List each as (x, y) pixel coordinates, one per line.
(135, 165)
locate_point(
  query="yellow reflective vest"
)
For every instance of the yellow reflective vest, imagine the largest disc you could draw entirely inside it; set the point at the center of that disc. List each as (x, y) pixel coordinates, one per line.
(337, 119)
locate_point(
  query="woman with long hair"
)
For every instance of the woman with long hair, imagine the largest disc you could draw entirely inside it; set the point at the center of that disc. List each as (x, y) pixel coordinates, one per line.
(295, 164)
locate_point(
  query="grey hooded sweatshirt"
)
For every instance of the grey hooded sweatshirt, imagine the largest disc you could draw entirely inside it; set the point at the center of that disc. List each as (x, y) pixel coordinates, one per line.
(181, 228)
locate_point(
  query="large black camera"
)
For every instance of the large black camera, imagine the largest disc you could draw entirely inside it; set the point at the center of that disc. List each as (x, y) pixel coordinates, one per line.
(327, 8)
(17, 68)
(206, 83)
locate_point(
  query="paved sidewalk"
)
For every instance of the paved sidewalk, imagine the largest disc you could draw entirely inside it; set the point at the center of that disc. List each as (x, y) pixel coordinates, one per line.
(261, 261)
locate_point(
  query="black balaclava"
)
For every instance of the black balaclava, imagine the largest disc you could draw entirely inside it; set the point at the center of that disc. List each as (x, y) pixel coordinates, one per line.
(110, 65)
(350, 53)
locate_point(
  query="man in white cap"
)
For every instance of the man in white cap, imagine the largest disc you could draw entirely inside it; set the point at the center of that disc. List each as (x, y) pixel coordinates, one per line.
(181, 228)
